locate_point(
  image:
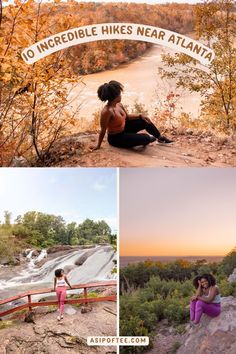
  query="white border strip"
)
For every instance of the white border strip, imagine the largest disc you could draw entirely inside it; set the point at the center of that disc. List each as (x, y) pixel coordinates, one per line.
(118, 256)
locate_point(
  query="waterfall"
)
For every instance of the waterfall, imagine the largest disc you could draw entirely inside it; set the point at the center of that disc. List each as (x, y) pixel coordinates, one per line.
(80, 265)
(34, 260)
(41, 256)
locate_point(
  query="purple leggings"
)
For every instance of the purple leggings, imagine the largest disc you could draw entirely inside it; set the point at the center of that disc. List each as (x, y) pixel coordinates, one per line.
(198, 307)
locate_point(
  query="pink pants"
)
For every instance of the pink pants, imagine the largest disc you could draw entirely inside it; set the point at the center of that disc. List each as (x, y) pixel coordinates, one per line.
(61, 296)
(198, 307)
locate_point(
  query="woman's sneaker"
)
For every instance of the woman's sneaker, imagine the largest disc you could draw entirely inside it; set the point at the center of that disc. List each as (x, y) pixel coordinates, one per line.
(164, 140)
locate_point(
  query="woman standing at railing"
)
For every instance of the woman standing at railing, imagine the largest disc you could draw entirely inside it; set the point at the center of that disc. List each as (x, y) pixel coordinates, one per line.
(60, 281)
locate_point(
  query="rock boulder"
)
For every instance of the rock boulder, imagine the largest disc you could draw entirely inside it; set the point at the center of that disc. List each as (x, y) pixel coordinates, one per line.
(59, 248)
(213, 335)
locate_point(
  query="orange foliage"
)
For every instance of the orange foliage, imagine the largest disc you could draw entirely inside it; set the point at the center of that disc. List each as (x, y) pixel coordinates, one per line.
(34, 99)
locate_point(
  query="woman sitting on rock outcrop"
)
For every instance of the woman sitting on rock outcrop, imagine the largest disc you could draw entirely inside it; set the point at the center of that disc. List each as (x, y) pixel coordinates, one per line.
(207, 298)
(123, 127)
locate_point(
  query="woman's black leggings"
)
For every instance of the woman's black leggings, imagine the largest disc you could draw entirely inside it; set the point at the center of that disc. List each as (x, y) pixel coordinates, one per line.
(129, 137)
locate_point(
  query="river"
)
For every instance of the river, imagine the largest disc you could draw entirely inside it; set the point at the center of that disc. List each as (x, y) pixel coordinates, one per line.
(141, 82)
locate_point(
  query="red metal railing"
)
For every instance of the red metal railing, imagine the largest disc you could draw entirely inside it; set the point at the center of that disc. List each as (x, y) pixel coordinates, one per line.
(31, 304)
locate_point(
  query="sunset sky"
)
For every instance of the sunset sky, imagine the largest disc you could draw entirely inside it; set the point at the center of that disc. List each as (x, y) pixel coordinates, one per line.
(177, 212)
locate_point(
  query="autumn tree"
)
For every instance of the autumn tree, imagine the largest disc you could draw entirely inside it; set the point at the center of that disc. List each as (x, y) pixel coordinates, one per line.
(35, 103)
(215, 24)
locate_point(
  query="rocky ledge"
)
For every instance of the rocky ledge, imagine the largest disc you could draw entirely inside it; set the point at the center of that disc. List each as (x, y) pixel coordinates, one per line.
(46, 335)
(211, 336)
(214, 335)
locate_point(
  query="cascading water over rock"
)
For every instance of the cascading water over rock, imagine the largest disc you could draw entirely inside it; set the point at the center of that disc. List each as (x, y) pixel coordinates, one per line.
(80, 265)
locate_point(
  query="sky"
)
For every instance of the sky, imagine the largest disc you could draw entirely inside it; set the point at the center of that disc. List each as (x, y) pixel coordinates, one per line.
(73, 193)
(177, 212)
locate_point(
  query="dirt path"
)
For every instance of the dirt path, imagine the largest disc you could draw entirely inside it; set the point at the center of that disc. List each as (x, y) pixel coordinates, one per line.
(187, 151)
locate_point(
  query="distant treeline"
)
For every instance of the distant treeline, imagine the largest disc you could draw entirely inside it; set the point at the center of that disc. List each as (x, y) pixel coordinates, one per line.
(137, 275)
(41, 230)
(102, 55)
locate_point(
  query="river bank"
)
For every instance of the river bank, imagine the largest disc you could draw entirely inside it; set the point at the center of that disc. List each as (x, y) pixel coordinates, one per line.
(195, 149)
(142, 83)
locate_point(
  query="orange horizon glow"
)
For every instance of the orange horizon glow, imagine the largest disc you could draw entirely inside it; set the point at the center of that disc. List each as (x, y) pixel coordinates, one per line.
(127, 250)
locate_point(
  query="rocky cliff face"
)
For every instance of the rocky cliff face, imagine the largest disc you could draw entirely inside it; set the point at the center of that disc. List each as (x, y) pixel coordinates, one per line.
(47, 335)
(203, 149)
(213, 335)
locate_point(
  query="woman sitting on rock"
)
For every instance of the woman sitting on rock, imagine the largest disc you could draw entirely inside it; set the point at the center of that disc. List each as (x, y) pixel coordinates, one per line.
(123, 127)
(60, 281)
(206, 300)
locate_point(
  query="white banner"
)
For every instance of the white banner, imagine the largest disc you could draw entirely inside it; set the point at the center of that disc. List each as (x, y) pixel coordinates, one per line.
(108, 31)
(130, 341)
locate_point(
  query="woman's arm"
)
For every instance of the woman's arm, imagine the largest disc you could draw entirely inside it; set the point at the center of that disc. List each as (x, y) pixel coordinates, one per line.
(105, 118)
(199, 289)
(135, 116)
(212, 293)
(67, 281)
(130, 116)
(198, 292)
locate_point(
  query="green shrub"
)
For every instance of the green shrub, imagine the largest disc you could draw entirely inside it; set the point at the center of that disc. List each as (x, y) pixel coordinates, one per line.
(151, 298)
(133, 326)
(147, 313)
(6, 324)
(226, 288)
(8, 246)
(175, 310)
(229, 262)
